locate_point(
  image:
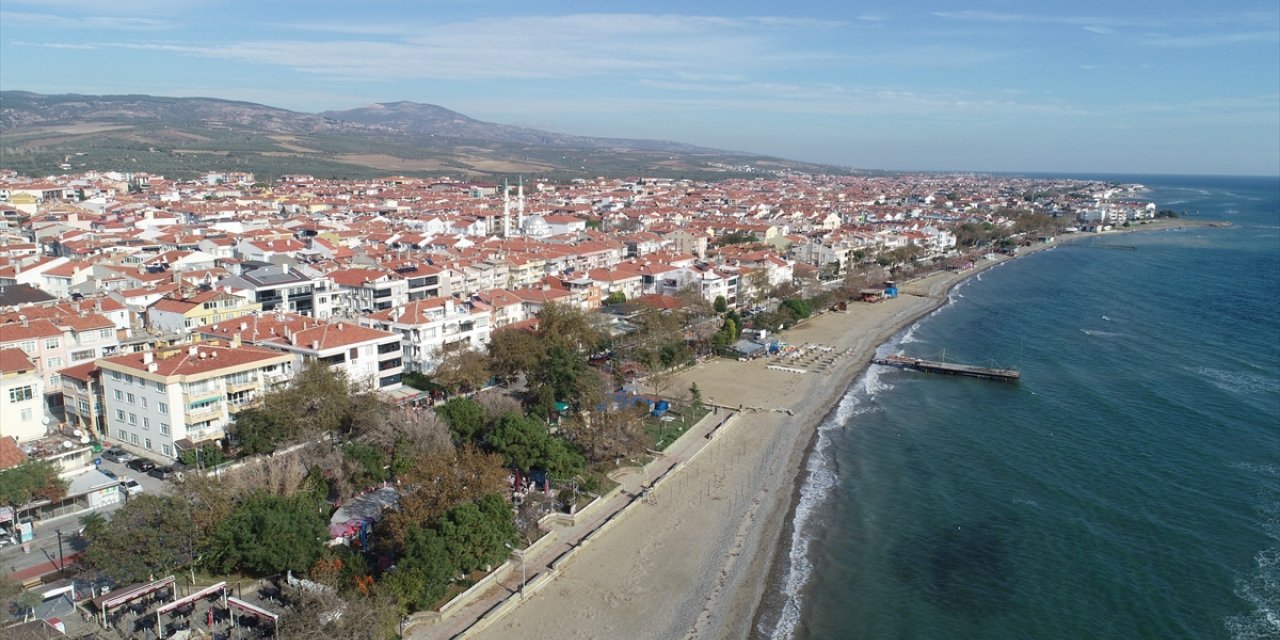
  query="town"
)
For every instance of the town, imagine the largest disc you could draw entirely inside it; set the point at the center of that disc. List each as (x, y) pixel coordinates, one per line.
(436, 364)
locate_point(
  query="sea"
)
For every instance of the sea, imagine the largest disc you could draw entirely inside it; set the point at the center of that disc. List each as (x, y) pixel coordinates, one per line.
(1127, 487)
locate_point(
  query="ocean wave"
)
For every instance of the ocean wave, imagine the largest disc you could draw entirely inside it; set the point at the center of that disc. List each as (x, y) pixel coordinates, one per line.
(1262, 591)
(1101, 334)
(910, 336)
(1106, 318)
(1026, 502)
(1254, 467)
(1237, 382)
(820, 479)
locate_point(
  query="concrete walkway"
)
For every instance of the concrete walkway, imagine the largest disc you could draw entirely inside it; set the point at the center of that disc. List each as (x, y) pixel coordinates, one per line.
(542, 565)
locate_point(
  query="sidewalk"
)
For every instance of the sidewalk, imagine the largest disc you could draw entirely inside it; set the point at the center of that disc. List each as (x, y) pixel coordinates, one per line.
(539, 568)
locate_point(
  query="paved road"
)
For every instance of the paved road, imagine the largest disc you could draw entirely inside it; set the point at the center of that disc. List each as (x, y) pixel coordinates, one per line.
(43, 557)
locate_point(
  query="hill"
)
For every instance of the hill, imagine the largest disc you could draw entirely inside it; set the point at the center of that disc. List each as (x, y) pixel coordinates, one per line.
(181, 137)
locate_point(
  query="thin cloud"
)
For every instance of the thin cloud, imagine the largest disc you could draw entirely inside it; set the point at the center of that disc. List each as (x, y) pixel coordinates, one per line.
(122, 23)
(1198, 41)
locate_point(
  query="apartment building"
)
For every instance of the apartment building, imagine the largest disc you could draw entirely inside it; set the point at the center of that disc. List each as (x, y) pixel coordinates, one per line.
(22, 415)
(160, 402)
(432, 328)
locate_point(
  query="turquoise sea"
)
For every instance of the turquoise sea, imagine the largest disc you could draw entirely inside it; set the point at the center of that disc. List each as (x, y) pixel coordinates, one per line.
(1128, 487)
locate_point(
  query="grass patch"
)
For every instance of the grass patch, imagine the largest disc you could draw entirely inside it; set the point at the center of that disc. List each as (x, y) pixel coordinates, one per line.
(663, 432)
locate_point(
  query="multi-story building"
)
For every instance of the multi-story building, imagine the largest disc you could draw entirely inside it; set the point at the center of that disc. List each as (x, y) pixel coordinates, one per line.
(82, 398)
(176, 314)
(22, 415)
(363, 290)
(160, 402)
(433, 328)
(283, 288)
(368, 357)
(56, 340)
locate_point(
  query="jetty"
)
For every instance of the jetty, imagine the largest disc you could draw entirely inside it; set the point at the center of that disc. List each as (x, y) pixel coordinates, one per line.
(948, 368)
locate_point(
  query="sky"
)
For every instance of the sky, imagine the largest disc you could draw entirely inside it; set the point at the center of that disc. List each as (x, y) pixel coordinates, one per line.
(1174, 86)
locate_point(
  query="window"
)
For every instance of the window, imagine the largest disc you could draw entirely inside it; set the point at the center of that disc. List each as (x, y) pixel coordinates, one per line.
(128, 379)
(168, 450)
(146, 423)
(129, 398)
(120, 415)
(29, 346)
(133, 437)
(148, 443)
(115, 375)
(55, 381)
(26, 414)
(20, 394)
(55, 363)
(164, 428)
(122, 434)
(105, 333)
(133, 418)
(84, 406)
(144, 401)
(119, 395)
(164, 408)
(51, 343)
(87, 354)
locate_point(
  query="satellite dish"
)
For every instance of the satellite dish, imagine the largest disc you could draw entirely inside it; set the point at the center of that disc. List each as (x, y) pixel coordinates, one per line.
(84, 439)
(77, 433)
(45, 420)
(66, 444)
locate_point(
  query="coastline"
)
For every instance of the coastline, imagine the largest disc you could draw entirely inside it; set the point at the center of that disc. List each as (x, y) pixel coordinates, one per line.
(700, 561)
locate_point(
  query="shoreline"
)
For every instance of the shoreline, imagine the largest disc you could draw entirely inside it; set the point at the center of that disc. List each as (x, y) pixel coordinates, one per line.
(703, 559)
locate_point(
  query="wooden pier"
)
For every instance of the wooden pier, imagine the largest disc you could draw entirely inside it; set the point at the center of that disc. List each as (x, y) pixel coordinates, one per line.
(948, 368)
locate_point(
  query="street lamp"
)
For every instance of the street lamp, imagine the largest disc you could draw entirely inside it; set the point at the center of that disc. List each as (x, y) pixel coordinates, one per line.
(519, 552)
(62, 564)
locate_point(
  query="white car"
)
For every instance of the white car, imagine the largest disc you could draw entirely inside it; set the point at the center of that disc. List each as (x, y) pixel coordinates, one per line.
(130, 486)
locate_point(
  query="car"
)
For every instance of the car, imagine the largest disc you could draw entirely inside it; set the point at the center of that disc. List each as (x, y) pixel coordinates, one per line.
(162, 473)
(131, 486)
(107, 472)
(117, 455)
(141, 465)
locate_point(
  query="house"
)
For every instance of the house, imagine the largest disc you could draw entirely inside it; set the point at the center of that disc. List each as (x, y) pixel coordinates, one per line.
(174, 314)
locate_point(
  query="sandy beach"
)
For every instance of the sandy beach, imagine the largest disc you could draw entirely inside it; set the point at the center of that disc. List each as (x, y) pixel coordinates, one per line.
(694, 560)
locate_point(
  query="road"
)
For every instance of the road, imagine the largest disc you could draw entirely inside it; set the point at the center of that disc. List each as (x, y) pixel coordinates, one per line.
(43, 557)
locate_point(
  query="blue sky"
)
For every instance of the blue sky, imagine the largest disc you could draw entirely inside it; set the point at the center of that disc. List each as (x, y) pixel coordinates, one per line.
(1144, 87)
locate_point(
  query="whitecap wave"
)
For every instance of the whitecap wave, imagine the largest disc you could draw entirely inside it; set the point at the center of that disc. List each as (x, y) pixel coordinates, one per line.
(819, 481)
(1100, 334)
(1239, 382)
(910, 335)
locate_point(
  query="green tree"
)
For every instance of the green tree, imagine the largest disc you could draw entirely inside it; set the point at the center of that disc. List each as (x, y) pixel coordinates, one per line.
(525, 443)
(440, 481)
(617, 297)
(423, 572)
(149, 536)
(366, 465)
(695, 394)
(464, 416)
(35, 480)
(271, 534)
(476, 533)
(721, 305)
(259, 431)
(463, 370)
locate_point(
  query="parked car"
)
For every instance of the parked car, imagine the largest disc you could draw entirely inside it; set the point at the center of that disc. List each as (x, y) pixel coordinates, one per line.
(131, 486)
(141, 465)
(162, 473)
(117, 455)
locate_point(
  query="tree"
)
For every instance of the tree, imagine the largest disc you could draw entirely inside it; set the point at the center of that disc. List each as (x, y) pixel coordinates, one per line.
(695, 394)
(571, 329)
(259, 431)
(319, 615)
(721, 305)
(513, 352)
(463, 370)
(150, 535)
(608, 432)
(439, 482)
(271, 534)
(465, 418)
(423, 572)
(566, 373)
(525, 443)
(475, 534)
(617, 297)
(35, 480)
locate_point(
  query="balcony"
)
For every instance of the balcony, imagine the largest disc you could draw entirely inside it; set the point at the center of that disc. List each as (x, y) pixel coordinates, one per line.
(210, 411)
(192, 397)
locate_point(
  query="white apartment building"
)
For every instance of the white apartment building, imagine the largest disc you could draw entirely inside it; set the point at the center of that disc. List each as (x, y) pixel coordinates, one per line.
(22, 415)
(160, 402)
(431, 328)
(368, 357)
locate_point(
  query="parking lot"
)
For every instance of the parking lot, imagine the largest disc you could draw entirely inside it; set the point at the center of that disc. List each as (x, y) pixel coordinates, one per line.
(149, 484)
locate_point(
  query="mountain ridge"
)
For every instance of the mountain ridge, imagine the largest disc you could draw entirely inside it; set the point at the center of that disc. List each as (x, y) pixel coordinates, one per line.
(43, 131)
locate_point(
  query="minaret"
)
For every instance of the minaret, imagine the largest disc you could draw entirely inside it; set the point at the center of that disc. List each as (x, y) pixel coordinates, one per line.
(520, 204)
(506, 209)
